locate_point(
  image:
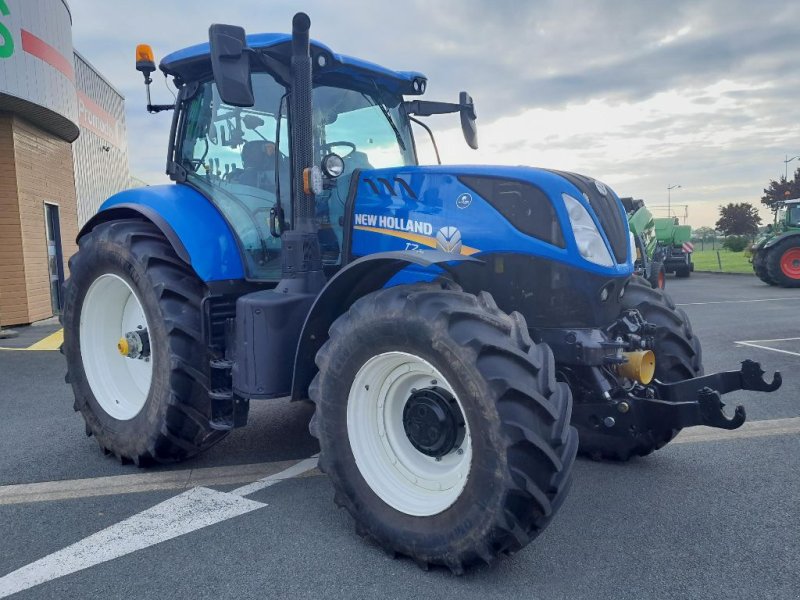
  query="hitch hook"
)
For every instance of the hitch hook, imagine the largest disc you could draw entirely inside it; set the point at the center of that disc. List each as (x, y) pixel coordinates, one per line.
(712, 413)
(753, 378)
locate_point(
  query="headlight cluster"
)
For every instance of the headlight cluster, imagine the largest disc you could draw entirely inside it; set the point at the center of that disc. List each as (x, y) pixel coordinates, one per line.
(590, 242)
(632, 251)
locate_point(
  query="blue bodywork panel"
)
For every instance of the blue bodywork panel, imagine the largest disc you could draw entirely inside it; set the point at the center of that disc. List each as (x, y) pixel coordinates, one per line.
(428, 212)
(346, 66)
(206, 237)
(385, 221)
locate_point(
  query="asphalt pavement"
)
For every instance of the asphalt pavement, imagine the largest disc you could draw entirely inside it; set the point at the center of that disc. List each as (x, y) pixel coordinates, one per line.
(702, 518)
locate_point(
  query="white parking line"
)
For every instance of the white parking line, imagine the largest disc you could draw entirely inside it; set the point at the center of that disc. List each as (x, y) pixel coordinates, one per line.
(293, 471)
(183, 479)
(753, 344)
(751, 429)
(737, 301)
(192, 510)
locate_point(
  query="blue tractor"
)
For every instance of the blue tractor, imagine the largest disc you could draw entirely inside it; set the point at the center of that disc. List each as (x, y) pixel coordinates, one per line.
(462, 331)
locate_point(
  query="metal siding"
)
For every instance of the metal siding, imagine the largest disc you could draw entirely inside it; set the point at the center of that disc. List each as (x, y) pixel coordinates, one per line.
(25, 76)
(99, 174)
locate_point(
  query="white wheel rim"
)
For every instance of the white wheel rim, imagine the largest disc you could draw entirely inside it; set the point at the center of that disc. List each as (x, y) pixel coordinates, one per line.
(402, 476)
(110, 310)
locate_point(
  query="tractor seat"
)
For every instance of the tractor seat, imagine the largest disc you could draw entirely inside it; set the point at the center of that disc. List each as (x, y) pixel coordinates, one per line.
(258, 162)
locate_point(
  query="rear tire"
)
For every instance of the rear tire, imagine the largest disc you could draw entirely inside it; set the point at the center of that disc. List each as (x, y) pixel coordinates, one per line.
(760, 267)
(683, 271)
(678, 357)
(783, 262)
(518, 437)
(169, 419)
(657, 276)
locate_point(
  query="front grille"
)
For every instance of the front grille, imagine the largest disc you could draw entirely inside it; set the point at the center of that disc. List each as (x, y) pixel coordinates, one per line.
(608, 211)
(525, 206)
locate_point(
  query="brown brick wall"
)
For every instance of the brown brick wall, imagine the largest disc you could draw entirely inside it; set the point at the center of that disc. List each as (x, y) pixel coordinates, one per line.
(13, 295)
(35, 167)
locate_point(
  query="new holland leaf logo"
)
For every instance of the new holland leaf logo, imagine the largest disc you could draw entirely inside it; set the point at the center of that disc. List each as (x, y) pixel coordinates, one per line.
(448, 239)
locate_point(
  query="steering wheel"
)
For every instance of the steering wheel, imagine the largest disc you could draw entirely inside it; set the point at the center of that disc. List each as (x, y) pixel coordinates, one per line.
(328, 148)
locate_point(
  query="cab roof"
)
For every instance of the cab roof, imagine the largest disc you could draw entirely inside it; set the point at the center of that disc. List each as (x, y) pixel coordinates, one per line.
(194, 63)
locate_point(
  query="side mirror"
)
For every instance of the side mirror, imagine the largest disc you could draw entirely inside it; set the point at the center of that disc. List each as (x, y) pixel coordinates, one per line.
(468, 117)
(230, 63)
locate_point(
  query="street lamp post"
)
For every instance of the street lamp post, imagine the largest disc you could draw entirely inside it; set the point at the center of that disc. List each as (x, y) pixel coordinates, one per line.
(786, 166)
(669, 190)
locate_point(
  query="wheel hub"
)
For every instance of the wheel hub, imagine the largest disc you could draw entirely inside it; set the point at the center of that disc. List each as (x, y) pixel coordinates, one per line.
(433, 421)
(135, 344)
(790, 263)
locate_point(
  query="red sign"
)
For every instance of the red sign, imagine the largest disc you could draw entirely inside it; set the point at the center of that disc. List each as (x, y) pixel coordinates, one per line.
(95, 118)
(688, 247)
(44, 51)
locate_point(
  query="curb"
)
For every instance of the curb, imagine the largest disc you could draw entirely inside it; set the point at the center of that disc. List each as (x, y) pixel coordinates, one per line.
(726, 273)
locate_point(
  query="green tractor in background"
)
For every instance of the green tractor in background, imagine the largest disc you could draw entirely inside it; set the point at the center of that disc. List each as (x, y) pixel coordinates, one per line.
(649, 260)
(674, 245)
(776, 255)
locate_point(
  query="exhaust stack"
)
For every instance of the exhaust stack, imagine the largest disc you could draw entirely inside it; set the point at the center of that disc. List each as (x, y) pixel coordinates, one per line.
(302, 259)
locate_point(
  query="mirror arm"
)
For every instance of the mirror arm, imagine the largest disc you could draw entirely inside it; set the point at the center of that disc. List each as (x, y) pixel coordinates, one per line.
(424, 108)
(274, 66)
(430, 133)
(157, 108)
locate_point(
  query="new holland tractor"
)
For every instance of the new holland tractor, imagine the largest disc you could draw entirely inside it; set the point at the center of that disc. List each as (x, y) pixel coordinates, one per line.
(776, 256)
(462, 331)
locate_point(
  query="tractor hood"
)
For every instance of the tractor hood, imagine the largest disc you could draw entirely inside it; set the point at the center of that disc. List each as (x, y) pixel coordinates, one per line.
(470, 209)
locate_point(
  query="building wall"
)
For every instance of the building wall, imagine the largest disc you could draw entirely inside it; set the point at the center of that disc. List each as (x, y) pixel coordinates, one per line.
(37, 169)
(13, 298)
(37, 75)
(101, 151)
(49, 96)
(44, 174)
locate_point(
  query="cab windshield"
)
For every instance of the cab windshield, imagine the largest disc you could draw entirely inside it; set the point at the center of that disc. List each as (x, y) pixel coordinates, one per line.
(789, 214)
(239, 158)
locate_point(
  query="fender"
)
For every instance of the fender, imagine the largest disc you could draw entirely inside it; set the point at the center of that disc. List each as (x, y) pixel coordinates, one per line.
(197, 231)
(353, 281)
(779, 238)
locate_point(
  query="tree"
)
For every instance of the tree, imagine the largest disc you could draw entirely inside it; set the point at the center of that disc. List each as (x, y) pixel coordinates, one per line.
(781, 190)
(704, 234)
(738, 219)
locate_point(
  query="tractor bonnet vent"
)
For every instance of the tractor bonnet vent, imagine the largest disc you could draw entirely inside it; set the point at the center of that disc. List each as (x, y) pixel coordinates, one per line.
(524, 205)
(396, 187)
(608, 211)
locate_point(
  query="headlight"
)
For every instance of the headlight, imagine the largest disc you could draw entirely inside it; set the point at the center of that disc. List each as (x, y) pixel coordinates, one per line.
(590, 242)
(632, 254)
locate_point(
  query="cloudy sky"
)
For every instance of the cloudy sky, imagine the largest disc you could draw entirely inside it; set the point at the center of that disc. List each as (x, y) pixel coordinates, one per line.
(640, 94)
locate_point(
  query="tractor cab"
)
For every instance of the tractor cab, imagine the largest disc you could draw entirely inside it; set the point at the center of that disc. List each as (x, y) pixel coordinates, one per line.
(238, 153)
(239, 157)
(788, 216)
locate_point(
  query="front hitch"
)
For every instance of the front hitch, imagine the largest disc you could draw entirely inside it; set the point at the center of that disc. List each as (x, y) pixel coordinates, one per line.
(687, 403)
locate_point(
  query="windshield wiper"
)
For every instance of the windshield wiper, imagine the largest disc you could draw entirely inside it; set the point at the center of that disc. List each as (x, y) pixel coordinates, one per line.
(385, 111)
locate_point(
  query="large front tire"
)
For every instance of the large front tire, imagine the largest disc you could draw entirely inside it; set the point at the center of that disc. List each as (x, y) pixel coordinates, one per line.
(154, 408)
(760, 267)
(783, 262)
(678, 357)
(500, 483)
